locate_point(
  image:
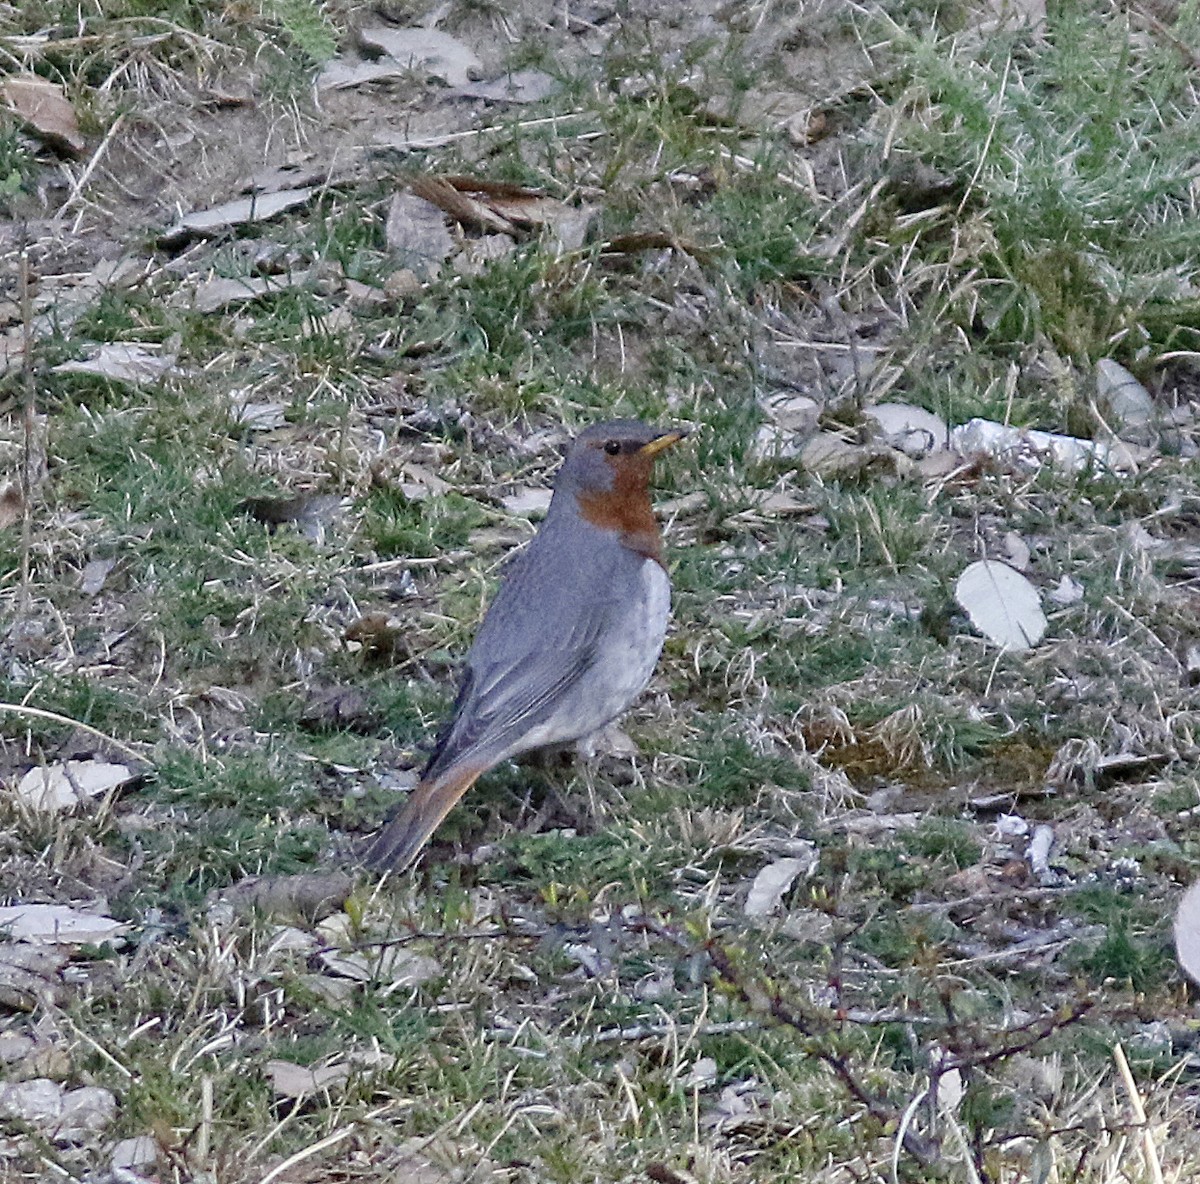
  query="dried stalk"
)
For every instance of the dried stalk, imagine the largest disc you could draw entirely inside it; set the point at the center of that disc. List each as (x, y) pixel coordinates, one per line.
(28, 423)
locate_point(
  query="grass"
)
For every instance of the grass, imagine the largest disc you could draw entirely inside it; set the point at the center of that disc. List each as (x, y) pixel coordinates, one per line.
(569, 986)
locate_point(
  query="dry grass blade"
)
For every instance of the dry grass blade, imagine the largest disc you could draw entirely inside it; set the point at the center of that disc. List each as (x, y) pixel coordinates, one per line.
(1149, 1147)
(330, 1140)
(28, 426)
(22, 709)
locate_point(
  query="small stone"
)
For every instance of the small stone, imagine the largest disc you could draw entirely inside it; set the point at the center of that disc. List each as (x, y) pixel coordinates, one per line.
(1126, 400)
(84, 1110)
(401, 283)
(139, 1152)
(14, 1047)
(37, 1102)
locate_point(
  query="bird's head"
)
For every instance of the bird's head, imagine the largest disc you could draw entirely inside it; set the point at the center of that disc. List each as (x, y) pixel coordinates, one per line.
(606, 480)
(614, 457)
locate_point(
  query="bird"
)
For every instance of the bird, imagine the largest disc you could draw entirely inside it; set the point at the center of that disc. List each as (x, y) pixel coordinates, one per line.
(570, 639)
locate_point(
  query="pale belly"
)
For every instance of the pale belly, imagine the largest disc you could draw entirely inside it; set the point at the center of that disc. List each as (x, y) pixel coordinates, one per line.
(621, 671)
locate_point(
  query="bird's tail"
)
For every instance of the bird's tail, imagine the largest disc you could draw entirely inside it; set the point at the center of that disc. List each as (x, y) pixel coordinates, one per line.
(403, 836)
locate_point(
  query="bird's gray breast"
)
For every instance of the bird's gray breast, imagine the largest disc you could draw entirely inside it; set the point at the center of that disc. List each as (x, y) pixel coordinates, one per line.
(623, 663)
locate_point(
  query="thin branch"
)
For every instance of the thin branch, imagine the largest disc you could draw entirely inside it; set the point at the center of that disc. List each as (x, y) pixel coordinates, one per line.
(1030, 1035)
(816, 1030)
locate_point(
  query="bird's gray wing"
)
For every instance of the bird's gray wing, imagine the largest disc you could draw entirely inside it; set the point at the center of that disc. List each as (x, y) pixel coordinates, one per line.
(534, 645)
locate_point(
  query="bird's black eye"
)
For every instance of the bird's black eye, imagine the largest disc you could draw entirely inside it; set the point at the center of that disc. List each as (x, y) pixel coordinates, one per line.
(612, 447)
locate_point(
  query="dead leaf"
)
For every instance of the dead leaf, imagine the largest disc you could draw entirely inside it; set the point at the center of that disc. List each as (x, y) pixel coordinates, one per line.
(428, 51)
(688, 503)
(367, 295)
(94, 574)
(418, 482)
(528, 500)
(342, 73)
(1125, 400)
(295, 1081)
(913, 430)
(45, 107)
(131, 362)
(258, 208)
(12, 505)
(775, 504)
(259, 417)
(610, 741)
(405, 142)
(401, 284)
(410, 1162)
(651, 240)
(529, 208)
(937, 466)
(290, 939)
(336, 992)
(739, 1104)
(487, 540)
(522, 86)
(950, 1092)
(781, 504)
(51, 789)
(57, 924)
(995, 801)
(1187, 933)
(806, 127)
(1069, 591)
(1017, 553)
(417, 232)
(569, 226)
(1002, 604)
(300, 171)
(969, 881)
(773, 881)
(394, 966)
(1127, 766)
(873, 824)
(830, 456)
(478, 253)
(218, 294)
(774, 443)
(1038, 852)
(701, 1075)
(1031, 448)
(796, 413)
